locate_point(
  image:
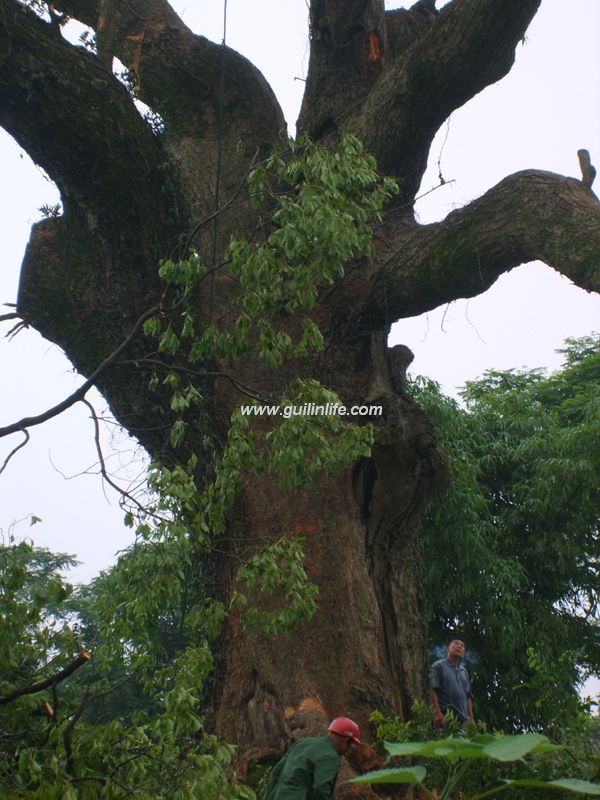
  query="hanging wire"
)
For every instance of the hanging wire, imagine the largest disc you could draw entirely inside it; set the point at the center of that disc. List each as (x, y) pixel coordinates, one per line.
(220, 103)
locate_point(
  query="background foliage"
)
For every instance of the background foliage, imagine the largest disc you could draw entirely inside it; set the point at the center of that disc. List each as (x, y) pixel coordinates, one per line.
(513, 545)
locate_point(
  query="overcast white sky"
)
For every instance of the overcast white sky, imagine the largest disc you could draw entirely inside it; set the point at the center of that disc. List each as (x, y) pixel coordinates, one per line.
(538, 117)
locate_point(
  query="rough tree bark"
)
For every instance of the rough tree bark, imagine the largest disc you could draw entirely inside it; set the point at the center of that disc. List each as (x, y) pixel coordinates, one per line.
(130, 198)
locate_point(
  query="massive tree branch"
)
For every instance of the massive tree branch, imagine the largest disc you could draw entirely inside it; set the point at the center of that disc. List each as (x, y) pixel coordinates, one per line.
(469, 45)
(346, 58)
(76, 121)
(394, 81)
(179, 74)
(529, 215)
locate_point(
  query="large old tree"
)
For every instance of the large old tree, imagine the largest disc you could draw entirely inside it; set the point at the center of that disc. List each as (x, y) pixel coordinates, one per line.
(133, 195)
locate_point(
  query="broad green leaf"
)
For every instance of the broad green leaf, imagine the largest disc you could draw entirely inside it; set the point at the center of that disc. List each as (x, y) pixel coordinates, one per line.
(498, 748)
(405, 748)
(451, 748)
(411, 775)
(152, 326)
(511, 748)
(569, 784)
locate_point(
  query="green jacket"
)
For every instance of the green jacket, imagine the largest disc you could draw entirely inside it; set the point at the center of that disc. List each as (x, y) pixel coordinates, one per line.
(306, 772)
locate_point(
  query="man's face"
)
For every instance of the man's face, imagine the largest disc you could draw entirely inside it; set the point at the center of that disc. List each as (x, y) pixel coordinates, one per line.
(342, 743)
(456, 648)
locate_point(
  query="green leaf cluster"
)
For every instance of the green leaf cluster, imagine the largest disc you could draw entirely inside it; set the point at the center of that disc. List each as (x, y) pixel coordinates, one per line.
(461, 756)
(127, 722)
(321, 223)
(325, 202)
(277, 569)
(394, 729)
(293, 451)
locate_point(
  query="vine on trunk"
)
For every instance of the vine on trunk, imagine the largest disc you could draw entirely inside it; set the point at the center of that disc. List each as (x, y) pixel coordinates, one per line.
(321, 203)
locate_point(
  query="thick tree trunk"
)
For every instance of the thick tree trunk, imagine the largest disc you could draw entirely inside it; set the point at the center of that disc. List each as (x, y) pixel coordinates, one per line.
(131, 198)
(365, 648)
(337, 663)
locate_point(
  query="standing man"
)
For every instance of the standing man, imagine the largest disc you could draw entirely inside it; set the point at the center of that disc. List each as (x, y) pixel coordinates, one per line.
(309, 770)
(450, 686)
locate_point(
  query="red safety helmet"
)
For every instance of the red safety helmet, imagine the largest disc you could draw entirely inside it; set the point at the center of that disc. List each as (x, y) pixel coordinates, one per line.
(345, 727)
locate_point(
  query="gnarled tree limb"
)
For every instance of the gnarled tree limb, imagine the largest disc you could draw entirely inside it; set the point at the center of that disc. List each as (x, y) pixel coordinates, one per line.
(76, 120)
(529, 215)
(211, 99)
(178, 73)
(468, 45)
(393, 80)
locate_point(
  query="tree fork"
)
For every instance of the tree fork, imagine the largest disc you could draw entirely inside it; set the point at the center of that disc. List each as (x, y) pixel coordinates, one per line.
(437, 62)
(56, 101)
(178, 74)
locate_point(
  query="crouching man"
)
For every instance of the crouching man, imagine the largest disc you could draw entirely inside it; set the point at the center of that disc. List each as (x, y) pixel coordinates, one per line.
(309, 770)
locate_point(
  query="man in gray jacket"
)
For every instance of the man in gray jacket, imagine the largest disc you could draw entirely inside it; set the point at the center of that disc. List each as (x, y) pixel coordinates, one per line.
(450, 686)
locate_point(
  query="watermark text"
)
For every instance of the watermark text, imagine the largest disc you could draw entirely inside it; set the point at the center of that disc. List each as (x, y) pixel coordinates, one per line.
(312, 410)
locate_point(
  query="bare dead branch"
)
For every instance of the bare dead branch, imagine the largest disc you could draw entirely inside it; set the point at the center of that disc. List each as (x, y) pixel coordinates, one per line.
(21, 324)
(33, 688)
(79, 394)
(16, 329)
(125, 495)
(15, 450)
